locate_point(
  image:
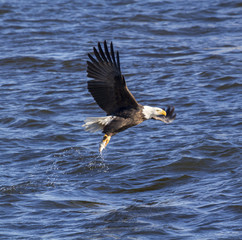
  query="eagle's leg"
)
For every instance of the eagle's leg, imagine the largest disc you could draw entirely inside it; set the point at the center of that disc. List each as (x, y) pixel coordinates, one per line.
(104, 142)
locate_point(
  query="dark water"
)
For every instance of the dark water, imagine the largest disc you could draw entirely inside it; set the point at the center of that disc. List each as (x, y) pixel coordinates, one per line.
(155, 181)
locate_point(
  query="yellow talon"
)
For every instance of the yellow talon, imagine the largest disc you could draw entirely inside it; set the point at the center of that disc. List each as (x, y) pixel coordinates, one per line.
(104, 142)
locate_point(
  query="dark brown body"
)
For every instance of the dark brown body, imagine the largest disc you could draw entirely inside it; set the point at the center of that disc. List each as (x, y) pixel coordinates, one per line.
(124, 120)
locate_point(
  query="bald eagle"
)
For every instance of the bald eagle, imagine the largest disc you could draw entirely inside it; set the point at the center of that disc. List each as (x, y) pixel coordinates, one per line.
(109, 89)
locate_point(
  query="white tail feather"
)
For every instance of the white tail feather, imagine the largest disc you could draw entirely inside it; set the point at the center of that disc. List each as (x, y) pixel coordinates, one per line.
(94, 124)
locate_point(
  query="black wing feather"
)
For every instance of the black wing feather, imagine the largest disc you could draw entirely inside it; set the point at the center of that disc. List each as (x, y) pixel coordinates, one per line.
(107, 52)
(101, 52)
(108, 86)
(117, 54)
(97, 55)
(112, 54)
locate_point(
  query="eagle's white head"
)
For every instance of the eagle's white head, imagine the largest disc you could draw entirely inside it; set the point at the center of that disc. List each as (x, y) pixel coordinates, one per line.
(153, 112)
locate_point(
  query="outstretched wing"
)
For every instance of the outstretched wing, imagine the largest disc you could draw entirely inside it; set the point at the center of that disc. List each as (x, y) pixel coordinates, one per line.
(108, 86)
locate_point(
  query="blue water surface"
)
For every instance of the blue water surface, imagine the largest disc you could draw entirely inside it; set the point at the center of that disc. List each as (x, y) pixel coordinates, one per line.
(154, 181)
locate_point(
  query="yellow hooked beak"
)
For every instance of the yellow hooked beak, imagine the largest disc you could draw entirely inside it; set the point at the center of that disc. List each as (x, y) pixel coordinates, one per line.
(162, 112)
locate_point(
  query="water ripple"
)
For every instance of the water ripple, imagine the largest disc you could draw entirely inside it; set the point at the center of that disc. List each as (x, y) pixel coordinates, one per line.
(155, 181)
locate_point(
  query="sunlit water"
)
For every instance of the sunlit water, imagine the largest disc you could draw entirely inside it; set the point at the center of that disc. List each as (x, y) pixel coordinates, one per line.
(154, 181)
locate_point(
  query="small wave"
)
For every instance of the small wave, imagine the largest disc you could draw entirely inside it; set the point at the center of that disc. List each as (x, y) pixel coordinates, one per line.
(29, 123)
(62, 203)
(21, 188)
(26, 62)
(7, 120)
(226, 86)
